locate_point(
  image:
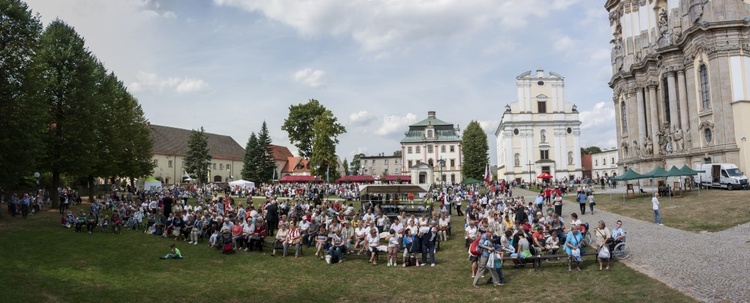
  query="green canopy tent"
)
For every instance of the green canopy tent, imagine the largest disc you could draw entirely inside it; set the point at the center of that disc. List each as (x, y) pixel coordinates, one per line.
(658, 172)
(629, 174)
(687, 171)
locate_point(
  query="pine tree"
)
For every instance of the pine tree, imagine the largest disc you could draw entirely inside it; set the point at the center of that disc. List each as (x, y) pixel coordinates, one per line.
(250, 163)
(475, 151)
(198, 156)
(346, 167)
(266, 164)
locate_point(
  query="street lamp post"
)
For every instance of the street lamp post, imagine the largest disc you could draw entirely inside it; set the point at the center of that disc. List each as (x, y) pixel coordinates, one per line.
(441, 162)
(529, 165)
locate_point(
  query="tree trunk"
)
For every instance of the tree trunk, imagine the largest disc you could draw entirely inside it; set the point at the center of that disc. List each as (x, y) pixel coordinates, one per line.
(91, 188)
(54, 193)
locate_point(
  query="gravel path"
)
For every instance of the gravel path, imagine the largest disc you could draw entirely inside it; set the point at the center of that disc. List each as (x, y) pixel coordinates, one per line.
(711, 267)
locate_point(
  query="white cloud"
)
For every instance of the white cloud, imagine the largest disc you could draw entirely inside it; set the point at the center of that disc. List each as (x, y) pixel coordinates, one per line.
(489, 126)
(379, 25)
(599, 116)
(146, 81)
(362, 117)
(309, 77)
(359, 150)
(393, 124)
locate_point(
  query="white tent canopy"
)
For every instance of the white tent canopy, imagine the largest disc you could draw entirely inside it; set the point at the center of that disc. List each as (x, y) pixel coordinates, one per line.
(152, 184)
(242, 183)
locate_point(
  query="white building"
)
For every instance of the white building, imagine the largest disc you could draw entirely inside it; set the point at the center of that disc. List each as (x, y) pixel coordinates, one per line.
(605, 163)
(540, 132)
(432, 141)
(380, 165)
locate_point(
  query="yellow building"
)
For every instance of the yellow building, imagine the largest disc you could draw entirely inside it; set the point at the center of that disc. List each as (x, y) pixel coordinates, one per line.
(171, 147)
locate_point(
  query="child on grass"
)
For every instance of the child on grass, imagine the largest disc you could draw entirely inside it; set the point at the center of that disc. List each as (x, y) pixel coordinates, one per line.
(175, 254)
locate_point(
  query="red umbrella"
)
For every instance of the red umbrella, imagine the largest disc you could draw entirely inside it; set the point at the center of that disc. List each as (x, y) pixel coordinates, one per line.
(544, 175)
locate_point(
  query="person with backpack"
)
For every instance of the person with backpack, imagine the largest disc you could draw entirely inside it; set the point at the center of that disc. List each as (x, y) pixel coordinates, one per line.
(485, 244)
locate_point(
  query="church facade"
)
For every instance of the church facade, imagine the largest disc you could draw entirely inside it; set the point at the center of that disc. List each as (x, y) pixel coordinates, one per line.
(680, 77)
(540, 132)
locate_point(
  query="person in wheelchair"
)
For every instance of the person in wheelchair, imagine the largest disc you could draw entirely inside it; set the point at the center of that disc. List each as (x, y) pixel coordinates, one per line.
(617, 234)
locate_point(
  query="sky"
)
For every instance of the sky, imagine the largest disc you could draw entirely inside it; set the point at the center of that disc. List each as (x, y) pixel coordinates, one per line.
(378, 65)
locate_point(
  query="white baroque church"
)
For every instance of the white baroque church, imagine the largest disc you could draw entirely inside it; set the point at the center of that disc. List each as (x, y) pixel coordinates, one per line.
(540, 132)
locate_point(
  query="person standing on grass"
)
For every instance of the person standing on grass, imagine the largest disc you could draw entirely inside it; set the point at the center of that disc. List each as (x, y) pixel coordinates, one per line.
(487, 248)
(558, 205)
(175, 254)
(655, 207)
(25, 205)
(591, 202)
(582, 201)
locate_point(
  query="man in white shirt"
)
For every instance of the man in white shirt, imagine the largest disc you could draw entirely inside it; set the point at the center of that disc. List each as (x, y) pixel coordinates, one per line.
(655, 206)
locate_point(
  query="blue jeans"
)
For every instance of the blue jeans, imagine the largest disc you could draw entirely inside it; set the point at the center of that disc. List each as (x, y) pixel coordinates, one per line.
(337, 250)
(657, 216)
(499, 272)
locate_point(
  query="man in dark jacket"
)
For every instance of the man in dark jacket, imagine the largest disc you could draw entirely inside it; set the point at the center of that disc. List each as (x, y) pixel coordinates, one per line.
(428, 244)
(272, 217)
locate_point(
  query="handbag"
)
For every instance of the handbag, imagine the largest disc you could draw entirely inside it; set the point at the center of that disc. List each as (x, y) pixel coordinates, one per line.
(491, 261)
(604, 252)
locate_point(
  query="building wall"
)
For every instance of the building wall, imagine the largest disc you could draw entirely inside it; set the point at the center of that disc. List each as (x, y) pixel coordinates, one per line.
(605, 163)
(380, 165)
(171, 169)
(452, 168)
(658, 51)
(526, 130)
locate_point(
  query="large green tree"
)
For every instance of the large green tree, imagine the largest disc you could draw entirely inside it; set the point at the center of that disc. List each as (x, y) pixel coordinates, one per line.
(198, 156)
(475, 151)
(22, 113)
(345, 163)
(299, 125)
(354, 166)
(323, 160)
(250, 161)
(68, 86)
(266, 164)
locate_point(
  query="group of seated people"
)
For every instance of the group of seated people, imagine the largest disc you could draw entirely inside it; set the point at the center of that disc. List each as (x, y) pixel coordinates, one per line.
(522, 231)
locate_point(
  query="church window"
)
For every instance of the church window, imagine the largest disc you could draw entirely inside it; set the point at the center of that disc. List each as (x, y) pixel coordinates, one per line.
(705, 97)
(542, 106)
(544, 155)
(707, 135)
(665, 88)
(569, 130)
(624, 117)
(515, 131)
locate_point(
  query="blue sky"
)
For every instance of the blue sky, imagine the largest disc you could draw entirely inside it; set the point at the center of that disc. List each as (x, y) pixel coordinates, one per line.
(379, 65)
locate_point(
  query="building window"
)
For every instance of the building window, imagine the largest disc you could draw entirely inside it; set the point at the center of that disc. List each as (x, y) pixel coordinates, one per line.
(386, 161)
(442, 149)
(613, 160)
(221, 166)
(156, 162)
(604, 161)
(410, 164)
(624, 117)
(516, 131)
(453, 178)
(396, 161)
(705, 99)
(169, 163)
(429, 149)
(429, 133)
(542, 105)
(229, 166)
(452, 149)
(544, 154)
(385, 171)
(707, 135)
(453, 163)
(398, 171)
(408, 150)
(665, 88)
(596, 162)
(364, 162)
(418, 149)
(429, 161)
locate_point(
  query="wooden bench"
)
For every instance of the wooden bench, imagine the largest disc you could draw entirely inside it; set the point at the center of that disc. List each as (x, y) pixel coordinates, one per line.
(537, 260)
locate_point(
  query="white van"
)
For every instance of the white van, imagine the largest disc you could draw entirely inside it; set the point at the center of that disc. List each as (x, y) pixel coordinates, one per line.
(722, 175)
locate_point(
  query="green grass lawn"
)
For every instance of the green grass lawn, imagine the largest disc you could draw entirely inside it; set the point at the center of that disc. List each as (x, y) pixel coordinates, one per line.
(711, 210)
(44, 262)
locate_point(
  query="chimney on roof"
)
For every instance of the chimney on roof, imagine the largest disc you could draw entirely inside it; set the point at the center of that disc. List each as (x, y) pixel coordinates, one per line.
(431, 114)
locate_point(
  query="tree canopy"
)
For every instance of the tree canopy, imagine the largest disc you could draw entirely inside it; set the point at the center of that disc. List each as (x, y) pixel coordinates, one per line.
(475, 151)
(299, 125)
(198, 156)
(354, 166)
(590, 150)
(323, 161)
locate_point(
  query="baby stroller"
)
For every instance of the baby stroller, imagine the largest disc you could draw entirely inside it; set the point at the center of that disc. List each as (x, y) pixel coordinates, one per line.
(226, 243)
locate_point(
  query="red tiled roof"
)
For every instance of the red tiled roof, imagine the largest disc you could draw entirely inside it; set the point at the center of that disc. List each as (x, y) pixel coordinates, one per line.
(280, 153)
(356, 178)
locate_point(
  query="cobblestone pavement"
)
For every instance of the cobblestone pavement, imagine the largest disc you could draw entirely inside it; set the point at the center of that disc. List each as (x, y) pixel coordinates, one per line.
(711, 267)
